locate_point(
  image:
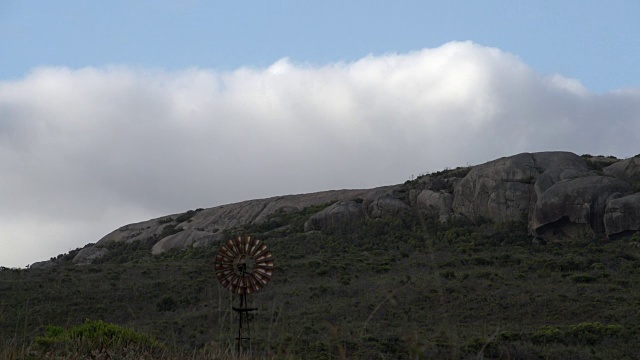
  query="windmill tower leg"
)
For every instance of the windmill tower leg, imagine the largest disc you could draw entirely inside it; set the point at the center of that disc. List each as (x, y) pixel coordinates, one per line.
(244, 328)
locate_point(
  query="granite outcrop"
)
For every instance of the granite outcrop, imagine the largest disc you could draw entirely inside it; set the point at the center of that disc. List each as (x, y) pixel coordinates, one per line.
(559, 194)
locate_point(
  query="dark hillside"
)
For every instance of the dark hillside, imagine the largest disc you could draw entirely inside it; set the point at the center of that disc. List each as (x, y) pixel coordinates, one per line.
(394, 287)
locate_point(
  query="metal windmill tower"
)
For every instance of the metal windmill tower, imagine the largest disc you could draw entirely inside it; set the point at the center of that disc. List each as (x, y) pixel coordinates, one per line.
(244, 266)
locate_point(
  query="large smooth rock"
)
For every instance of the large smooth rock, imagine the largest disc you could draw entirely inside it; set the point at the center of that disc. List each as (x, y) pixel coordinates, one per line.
(387, 206)
(622, 215)
(435, 204)
(556, 174)
(87, 255)
(385, 201)
(341, 216)
(577, 201)
(627, 170)
(47, 264)
(186, 238)
(503, 189)
(207, 224)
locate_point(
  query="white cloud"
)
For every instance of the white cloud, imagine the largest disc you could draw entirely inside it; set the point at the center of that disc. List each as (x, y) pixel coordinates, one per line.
(85, 151)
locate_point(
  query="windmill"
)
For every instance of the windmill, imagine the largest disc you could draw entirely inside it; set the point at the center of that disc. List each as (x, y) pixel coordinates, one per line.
(243, 266)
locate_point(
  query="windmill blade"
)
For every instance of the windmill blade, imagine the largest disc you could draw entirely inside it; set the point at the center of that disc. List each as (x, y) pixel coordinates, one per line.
(233, 269)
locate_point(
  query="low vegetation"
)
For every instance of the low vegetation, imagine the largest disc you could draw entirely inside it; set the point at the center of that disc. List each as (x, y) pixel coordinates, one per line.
(401, 287)
(597, 163)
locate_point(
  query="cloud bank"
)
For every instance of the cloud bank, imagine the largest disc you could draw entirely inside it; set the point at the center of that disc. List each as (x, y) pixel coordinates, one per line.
(83, 151)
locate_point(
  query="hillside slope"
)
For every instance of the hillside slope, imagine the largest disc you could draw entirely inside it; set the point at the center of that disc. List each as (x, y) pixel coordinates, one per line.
(463, 263)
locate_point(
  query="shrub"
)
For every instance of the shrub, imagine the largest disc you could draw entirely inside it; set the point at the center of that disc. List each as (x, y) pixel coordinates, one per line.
(592, 333)
(187, 216)
(165, 220)
(547, 334)
(584, 279)
(586, 333)
(94, 337)
(167, 303)
(169, 230)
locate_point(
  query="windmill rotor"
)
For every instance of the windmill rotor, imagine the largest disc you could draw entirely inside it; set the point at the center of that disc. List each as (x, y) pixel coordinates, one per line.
(244, 265)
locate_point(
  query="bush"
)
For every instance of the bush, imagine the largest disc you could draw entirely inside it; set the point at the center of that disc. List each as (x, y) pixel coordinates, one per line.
(592, 333)
(583, 279)
(547, 334)
(187, 216)
(167, 303)
(165, 220)
(169, 230)
(586, 333)
(94, 337)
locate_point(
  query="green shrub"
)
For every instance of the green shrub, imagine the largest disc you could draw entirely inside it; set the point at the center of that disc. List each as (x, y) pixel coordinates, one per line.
(169, 230)
(586, 333)
(548, 334)
(93, 337)
(592, 333)
(584, 279)
(187, 216)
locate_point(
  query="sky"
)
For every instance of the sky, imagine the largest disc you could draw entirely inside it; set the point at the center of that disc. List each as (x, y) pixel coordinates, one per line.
(122, 111)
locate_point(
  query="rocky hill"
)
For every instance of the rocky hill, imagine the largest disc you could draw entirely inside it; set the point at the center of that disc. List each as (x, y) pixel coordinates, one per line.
(532, 256)
(560, 194)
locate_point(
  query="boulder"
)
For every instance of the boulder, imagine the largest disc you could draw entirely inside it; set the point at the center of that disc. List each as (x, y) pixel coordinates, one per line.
(580, 201)
(558, 159)
(87, 255)
(47, 264)
(435, 205)
(341, 216)
(553, 175)
(206, 225)
(627, 170)
(387, 206)
(186, 238)
(622, 215)
(386, 201)
(503, 189)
